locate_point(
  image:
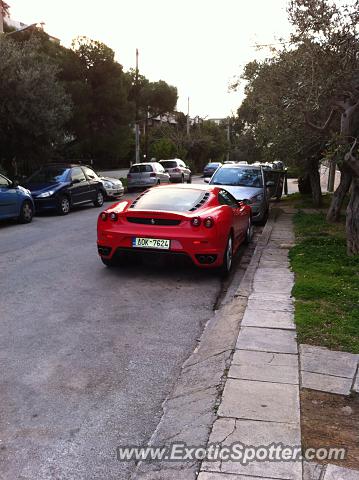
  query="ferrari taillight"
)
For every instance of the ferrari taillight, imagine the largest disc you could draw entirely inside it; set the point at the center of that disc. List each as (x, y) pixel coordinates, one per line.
(208, 222)
(196, 221)
(113, 216)
(103, 216)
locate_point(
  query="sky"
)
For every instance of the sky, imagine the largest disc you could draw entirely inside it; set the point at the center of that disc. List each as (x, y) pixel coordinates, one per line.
(199, 46)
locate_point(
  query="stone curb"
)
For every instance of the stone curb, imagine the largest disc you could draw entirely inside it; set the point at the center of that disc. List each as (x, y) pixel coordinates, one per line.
(189, 412)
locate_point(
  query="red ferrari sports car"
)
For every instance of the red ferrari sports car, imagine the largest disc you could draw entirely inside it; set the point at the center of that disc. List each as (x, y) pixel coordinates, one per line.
(203, 222)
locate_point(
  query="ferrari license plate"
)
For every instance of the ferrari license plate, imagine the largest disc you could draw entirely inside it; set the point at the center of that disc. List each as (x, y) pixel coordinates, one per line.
(159, 243)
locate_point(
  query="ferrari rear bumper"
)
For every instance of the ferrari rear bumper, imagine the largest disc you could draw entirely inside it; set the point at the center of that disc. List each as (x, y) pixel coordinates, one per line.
(208, 257)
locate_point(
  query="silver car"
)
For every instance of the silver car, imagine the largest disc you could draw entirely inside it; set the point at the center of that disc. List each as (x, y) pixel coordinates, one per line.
(246, 182)
(113, 187)
(178, 170)
(144, 175)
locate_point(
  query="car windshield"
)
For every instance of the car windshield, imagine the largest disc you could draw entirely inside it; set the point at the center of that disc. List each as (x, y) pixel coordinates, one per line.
(170, 199)
(168, 164)
(141, 168)
(51, 174)
(212, 165)
(238, 177)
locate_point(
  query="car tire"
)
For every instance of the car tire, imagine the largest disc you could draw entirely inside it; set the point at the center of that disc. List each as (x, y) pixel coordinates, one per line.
(158, 182)
(100, 198)
(228, 256)
(63, 205)
(26, 212)
(189, 179)
(182, 179)
(109, 262)
(264, 219)
(249, 232)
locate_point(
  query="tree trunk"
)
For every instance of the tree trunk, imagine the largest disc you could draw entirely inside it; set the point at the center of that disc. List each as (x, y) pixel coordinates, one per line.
(352, 223)
(339, 195)
(304, 184)
(314, 177)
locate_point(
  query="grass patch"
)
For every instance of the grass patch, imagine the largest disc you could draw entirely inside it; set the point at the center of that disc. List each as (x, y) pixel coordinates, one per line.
(299, 200)
(327, 284)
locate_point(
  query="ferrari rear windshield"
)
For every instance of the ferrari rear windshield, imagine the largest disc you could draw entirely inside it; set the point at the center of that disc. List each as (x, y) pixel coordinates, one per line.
(170, 199)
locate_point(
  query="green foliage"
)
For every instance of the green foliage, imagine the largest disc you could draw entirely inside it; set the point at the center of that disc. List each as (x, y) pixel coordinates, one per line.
(103, 113)
(153, 98)
(162, 149)
(318, 68)
(327, 284)
(207, 141)
(34, 106)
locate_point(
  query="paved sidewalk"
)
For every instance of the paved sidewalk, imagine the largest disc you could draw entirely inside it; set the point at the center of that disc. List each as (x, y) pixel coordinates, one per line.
(260, 402)
(329, 371)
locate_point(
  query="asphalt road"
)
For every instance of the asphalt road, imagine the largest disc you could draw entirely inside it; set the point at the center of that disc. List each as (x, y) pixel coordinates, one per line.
(87, 353)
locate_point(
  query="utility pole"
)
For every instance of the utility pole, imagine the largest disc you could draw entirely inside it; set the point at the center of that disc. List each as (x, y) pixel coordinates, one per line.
(228, 137)
(146, 133)
(137, 122)
(187, 116)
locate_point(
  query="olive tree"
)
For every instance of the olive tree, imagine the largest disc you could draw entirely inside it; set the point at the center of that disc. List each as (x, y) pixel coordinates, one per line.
(33, 105)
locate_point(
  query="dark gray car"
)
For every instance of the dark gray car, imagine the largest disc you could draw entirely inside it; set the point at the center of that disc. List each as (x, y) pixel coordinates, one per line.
(246, 182)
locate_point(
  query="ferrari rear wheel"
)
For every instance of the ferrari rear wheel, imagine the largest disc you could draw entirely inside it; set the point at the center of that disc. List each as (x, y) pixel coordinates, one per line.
(228, 256)
(109, 262)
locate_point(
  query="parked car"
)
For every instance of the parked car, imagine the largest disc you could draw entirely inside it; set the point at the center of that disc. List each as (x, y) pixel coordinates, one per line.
(203, 223)
(15, 201)
(62, 186)
(146, 174)
(210, 168)
(246, 182)
(177, 170)
(113, 187)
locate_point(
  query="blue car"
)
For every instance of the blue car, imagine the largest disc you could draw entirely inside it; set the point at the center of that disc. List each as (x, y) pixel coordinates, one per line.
(61, 186)
(15, 201)
(210, 168)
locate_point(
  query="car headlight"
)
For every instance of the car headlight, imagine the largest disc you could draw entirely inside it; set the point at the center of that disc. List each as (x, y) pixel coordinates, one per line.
(46, 194)
(107, 184)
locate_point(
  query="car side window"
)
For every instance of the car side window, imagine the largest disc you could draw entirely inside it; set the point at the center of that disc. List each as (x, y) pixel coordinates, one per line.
(225, 198)
(78, 175)
(4, 182)
(90, 173)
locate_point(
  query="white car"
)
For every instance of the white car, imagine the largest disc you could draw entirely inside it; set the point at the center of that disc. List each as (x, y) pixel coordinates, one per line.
(113, 187)
(147, 174)
(177, 170)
